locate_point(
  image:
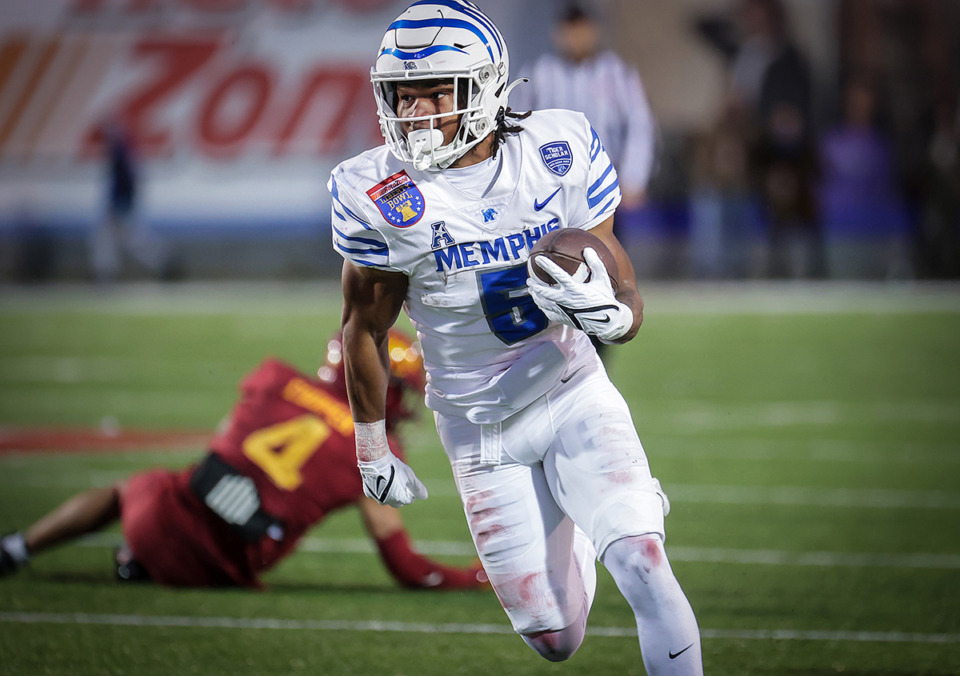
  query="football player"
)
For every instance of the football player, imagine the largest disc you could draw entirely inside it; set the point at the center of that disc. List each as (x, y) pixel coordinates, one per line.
(441, 220)
(283, 462)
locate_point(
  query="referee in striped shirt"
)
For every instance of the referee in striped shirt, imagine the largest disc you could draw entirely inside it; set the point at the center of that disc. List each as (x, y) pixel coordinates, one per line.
(599, 84)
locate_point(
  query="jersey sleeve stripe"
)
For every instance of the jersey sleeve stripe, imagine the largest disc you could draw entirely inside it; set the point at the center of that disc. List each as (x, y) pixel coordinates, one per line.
(368, 264)
(595, 200)
(603, 177)
(595, 145)
(335, 193)
(375, 244)
(359, 252)
(350, 214)
(607, 205)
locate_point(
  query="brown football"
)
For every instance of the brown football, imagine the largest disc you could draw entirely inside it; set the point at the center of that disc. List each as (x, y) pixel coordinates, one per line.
(565, 248)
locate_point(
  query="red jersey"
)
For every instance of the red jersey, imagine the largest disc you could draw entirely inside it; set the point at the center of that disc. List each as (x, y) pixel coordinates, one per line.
(293, 437)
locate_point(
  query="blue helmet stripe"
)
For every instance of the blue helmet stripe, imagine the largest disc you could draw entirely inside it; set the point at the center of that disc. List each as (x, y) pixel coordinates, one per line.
(422, 54)
(470, 10)
(443, 23)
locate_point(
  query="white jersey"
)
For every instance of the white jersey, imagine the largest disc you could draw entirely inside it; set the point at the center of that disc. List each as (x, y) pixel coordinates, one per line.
(488, 349)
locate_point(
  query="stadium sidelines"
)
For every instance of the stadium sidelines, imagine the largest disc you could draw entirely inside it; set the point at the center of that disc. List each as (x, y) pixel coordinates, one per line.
(769, 557)
(116, 620)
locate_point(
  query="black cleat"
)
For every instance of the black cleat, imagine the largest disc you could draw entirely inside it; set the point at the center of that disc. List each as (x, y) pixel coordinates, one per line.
(128, 568)
(9, 564)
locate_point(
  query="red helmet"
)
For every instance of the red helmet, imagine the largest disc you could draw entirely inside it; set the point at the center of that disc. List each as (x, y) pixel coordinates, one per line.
(406, 372)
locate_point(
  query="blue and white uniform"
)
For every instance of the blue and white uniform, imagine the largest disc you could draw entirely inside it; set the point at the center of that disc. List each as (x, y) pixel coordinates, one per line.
(539, 439)
(465, 254)
(548, 465)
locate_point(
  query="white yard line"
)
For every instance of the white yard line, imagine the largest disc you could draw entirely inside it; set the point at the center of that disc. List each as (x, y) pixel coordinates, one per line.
(445, 628)
(777, 449)
(814, 497)
(696, 417)
(794, 496)
(768, 557)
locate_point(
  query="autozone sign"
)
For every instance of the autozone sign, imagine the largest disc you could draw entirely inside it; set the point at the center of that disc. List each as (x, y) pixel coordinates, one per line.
(213, 78)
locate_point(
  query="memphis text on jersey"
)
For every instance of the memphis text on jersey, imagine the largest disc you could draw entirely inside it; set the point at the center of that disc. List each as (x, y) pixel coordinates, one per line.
(453, 256)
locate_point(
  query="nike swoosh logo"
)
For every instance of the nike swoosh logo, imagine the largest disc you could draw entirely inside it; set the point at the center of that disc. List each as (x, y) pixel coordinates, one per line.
(674, 656)
(567, 379)
(573, 312)
(382, 495)
(537, 206)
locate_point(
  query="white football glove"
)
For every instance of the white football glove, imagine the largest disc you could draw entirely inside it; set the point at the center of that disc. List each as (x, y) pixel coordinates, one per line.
(390, 481)
(588, 306)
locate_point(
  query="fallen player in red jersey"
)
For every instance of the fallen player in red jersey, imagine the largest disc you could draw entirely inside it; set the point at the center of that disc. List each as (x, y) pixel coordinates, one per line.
(283, 462)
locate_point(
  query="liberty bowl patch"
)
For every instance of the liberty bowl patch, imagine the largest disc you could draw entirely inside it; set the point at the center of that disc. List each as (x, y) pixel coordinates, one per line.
(557, 157)
(399, 200)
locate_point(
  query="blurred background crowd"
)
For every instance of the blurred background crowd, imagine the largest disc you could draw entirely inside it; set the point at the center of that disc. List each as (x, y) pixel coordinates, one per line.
(755, 139)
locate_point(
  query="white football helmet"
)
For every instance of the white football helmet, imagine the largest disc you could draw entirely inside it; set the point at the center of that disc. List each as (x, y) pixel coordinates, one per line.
(441, 40)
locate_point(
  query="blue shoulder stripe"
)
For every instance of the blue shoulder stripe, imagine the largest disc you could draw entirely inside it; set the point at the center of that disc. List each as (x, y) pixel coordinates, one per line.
(600, 180)
(369, 265)
(594, 201)
(376, 244)
(595, 145)
(349, 213)
(606, 206)
(335, 192)
(359, 252)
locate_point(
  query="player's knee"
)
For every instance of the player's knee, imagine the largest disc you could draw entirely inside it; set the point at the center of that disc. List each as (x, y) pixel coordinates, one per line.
(640, 568)
(555, 646)
(640, 555)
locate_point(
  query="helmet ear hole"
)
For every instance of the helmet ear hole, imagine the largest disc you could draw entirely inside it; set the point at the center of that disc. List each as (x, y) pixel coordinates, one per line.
(485, 74)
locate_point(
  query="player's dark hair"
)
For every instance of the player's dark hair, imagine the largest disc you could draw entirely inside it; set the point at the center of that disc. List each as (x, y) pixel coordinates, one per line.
(504, 127)
(575, 12)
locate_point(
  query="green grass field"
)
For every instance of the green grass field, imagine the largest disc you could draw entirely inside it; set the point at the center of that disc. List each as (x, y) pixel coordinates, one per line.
(807, 437)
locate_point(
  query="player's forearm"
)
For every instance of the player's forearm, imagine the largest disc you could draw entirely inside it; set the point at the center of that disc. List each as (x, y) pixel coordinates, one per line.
(414, 570)
(367, 375)
(630, 296)
(371, 304)
(627, 291)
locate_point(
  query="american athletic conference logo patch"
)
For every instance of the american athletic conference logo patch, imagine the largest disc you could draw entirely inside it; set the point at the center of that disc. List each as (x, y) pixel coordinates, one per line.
(399, 200)
(557, 156)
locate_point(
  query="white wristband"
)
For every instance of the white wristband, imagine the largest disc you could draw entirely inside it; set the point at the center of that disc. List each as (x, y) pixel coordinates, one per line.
(371, 440)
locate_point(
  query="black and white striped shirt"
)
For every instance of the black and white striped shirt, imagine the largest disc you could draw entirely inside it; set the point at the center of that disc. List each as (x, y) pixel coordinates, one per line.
(610, 93)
